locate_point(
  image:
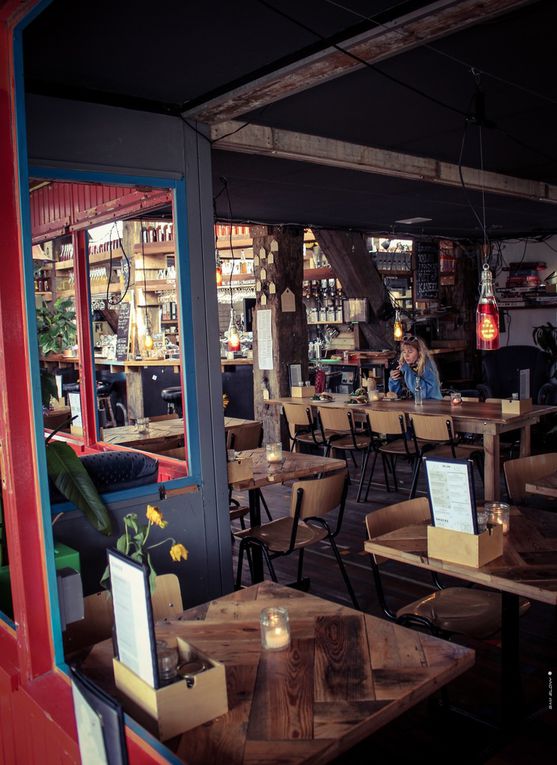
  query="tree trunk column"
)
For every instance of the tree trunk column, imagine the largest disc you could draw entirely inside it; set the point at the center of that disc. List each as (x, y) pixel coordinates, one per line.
(278, 266)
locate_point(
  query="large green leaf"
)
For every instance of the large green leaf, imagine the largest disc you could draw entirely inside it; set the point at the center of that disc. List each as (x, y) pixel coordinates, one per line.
(73, 481)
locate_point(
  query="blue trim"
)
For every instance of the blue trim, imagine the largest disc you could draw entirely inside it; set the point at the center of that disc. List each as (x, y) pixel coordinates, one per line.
(114, 179)
(186, 320)
(6, 620)
(33, 343)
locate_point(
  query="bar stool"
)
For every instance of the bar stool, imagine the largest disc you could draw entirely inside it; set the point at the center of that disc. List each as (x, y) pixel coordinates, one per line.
(104, 389)
(173, 398)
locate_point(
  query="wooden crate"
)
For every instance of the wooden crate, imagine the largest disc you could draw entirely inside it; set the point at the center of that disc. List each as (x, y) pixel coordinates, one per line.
(240, 470)
(302, 391)
(178, 707)
(515, 406)
(468, 549)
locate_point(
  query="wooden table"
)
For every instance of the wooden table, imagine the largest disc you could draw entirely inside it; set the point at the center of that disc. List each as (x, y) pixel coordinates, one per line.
(546, 486)
(295, 465)
(469, 417)
(159, 429)
(528, 568)
(345, 675)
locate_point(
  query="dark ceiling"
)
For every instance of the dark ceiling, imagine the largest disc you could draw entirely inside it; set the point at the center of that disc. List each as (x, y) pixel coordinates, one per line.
(171, 55)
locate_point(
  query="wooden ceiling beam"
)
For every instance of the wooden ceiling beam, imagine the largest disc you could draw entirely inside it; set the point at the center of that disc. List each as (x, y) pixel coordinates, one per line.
(286, 144)
(381, 42)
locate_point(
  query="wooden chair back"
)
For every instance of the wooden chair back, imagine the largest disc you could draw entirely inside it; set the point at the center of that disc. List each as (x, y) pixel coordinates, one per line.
(525, 470)
(246, 436)
(388, 423)
(320, 495)
(296, 416)
(96, 625)
(393, 517)
(167, 597)
(432, 427)
(334, 420)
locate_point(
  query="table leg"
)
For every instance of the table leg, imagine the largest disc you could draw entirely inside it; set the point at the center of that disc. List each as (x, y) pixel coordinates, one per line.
(492, 483)
(511, 686)
(255, 520)
(526, 441)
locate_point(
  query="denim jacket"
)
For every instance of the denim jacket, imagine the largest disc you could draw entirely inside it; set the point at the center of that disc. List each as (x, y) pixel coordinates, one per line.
(429, 378)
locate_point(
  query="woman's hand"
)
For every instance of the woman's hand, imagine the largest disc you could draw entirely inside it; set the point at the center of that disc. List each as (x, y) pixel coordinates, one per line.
(395, 373)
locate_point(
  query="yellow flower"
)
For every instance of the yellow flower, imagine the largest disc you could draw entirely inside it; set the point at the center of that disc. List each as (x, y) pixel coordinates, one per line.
(178, 551)
(155, 516)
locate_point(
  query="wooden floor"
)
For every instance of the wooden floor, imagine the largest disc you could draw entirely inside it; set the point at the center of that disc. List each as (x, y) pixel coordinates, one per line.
(428, 732)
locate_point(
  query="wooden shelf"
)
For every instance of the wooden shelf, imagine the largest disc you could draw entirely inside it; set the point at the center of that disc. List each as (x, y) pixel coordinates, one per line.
(322, 323)
(98, 292)
(525, 306)
(315, 274)
(155, 248)
(388, 272)
(46, 295)
(100, 257)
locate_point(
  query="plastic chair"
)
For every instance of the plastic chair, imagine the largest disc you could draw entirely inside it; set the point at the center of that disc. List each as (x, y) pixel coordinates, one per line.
(434, 434)
(306, 526)
(451, 610)
(392, 442)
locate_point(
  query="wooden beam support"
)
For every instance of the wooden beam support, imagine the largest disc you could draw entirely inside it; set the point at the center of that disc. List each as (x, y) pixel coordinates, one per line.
(287, 144)
(379, 43)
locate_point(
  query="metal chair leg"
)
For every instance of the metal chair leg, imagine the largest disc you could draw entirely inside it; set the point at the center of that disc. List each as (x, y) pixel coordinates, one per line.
(363, 475)
(344, 573)
(371, 475)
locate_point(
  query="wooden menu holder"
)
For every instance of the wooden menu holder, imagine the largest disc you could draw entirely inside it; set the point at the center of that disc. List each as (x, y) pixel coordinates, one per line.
(178, 707)
(240, 470)
(302, 391)
(460, 547)
(515, 405)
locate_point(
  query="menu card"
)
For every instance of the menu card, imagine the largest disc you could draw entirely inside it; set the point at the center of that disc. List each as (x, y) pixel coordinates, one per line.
(451, 494)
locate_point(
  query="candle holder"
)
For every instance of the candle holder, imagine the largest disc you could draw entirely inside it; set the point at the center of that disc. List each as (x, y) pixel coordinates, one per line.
(498, 513)
(273, 452)
(142, 424)
(456, 398)
(167, 659)
(275, 628)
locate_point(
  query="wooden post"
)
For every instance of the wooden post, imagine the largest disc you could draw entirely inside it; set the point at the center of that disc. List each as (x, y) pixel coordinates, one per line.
(278, 269)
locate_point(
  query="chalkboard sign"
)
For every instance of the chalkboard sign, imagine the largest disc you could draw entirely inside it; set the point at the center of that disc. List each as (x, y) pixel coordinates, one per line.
(123, 336)
(427, 270)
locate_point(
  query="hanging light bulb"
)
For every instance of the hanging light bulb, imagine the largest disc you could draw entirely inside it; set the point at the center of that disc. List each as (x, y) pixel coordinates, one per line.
(233, 334)
(218, 270)
(398, 329)
(487, 314)
(148, 342)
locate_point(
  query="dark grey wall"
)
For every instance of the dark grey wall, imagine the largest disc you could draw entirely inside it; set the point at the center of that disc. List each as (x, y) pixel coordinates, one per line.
(100, 139)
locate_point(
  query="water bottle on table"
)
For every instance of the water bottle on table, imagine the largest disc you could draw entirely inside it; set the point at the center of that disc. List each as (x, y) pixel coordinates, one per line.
(418, 392)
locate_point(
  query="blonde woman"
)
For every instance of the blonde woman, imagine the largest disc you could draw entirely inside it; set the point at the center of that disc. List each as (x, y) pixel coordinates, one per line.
(415, 361)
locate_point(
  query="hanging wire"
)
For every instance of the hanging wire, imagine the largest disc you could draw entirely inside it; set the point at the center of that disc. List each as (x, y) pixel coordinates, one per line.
(147, 320)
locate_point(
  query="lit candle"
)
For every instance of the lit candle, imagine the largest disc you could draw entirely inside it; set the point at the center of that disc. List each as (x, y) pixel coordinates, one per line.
(498, 513)
(274, 452)
(275, 629)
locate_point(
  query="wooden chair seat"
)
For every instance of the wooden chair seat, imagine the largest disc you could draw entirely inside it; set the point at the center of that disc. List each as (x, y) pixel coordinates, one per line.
(277, 534)
(238, 512)
(346, 442)
(462, 611)
(525, 470)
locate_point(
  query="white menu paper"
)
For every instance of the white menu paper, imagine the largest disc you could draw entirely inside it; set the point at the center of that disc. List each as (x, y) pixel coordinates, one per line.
(451, 494)
(264, 339)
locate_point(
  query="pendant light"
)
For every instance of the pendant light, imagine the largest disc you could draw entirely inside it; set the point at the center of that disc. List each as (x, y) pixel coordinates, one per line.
(398, 329)
(233, 342)
(218, 270)
(487, 314)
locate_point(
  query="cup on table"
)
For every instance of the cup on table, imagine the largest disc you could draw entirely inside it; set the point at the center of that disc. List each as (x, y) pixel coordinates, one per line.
(142, 424)
(275, 628)
(273, 452)
(498, 513)
(456, 398)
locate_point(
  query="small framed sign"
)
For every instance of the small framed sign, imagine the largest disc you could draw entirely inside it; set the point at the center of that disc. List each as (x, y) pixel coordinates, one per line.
(450, 487)
(133, 617)
(100, 723)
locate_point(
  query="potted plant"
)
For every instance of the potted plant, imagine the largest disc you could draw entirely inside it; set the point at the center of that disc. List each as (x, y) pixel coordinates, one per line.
(57, 330)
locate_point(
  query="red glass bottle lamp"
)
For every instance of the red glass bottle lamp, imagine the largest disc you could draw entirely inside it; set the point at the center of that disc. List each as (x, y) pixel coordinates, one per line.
(487, 315)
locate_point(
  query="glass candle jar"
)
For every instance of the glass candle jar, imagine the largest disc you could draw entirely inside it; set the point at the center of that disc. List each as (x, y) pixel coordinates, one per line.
(498, 513)
(456, 398)
(167, 659)
(273, 452)
(142, 424)
(275, 628)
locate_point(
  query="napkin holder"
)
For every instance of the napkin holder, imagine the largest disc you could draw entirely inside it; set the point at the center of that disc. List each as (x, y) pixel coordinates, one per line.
(515, 405)
(240, 470)
(302, 391)
(180, 706)
(460, 547)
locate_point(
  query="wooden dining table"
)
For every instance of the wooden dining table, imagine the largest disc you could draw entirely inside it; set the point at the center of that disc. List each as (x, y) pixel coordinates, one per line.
(527, 568)
(485, 419)
(157, 430)
(293, 466)
(345, 675)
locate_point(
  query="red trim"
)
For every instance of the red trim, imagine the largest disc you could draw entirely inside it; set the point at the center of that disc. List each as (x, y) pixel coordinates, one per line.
(21, 496)
(88, 383)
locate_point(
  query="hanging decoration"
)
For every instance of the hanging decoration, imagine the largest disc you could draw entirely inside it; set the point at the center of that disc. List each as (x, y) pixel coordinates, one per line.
(233, 342)
(487, 314)
(218, 270)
